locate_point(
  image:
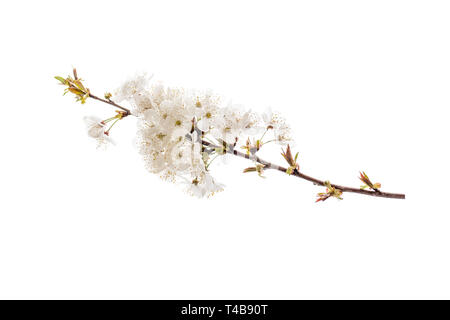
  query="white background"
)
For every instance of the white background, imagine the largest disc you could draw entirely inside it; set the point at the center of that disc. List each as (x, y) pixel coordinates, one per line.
(364, 84)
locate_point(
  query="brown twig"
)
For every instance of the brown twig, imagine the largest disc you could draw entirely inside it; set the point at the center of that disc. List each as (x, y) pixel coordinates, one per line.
(127, 111)
(269, 165)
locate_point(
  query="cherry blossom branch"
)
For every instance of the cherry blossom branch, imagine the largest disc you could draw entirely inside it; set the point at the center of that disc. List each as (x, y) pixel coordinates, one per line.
(96, 129)
(297, 173)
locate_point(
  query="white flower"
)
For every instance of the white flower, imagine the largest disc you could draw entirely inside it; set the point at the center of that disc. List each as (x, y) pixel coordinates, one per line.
(267, 118)
(94, 126)
(202, 186)
(206, 122)
(135, 91)
(232, 123)
(132, 88)
(206, 110)
(96, 129)
(211, 185)
(281, 130)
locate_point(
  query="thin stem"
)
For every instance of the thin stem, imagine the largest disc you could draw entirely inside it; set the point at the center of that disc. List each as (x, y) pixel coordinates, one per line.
(273, 140)
(215, 157)
(109, 129)
(109, 119)
(127, 111)
(260, 139)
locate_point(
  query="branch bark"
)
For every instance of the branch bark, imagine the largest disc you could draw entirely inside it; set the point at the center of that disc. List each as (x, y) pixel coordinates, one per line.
(127, 111)
(298, 174)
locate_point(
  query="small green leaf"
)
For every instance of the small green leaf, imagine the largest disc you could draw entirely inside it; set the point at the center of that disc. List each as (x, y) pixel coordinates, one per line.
(61, 79)
(83, 99)
(79, 85)
(220, 150)
(76, 91)
(250, 169)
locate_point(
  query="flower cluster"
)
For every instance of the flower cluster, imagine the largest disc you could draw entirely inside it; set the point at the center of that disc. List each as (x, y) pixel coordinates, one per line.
(181, 132)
